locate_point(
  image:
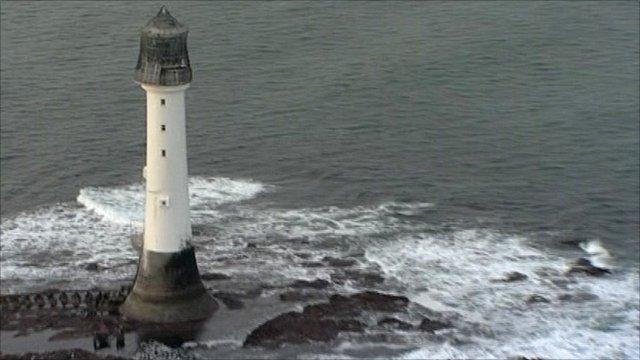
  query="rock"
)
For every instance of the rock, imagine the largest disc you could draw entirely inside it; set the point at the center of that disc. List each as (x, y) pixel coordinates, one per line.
(340, 305)
(578, 297)
(373, 300)
(214, 276)
(315, 284)
(61, 354)
(311, 264)
(514, 276)
(584, 266)
(92, 266)
(296, 296)
(296, 328)
(535, 298)
(433, 325)
(393, 323)
(230, 300)
(366, 279)
(323, 322)
(251, 245)
(335, 262)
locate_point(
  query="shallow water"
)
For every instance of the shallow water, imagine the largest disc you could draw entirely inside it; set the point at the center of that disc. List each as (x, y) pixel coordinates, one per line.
(439, 144)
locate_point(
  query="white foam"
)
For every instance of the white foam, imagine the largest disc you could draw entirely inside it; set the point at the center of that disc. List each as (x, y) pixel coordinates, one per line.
(55, 242)
(459, 270)
(125, 204)
(599, 256)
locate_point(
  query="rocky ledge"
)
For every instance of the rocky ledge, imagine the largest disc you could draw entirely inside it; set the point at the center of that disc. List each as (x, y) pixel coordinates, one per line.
(323, 322)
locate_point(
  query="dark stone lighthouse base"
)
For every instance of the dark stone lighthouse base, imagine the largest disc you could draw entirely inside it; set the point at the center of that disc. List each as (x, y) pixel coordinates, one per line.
(168, 289)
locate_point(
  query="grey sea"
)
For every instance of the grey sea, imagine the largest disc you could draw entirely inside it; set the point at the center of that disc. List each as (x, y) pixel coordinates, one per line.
(439, 144)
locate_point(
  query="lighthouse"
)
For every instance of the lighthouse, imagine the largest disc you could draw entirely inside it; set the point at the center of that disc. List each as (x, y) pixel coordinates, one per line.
(167, 286)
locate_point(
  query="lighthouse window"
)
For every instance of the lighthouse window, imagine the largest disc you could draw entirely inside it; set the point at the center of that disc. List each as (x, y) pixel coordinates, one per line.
(163, 128)
(164, 153)
(161, 101)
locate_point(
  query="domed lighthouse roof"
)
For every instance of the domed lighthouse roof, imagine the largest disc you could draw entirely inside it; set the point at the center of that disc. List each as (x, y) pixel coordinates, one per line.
(163, 59)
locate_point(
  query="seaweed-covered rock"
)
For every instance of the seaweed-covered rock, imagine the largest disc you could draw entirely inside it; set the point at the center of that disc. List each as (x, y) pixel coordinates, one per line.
(315, 284)
(294, 327)
(311, 264)
(336, 262)
(341, 305)
(393, 323)
(297, 296)
(431, 325)
(363, 278)
(323, 322)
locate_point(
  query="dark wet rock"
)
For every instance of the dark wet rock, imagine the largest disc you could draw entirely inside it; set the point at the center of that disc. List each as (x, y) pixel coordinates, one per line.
(315, 284)
(535, 298)
(299, 296)
(297, 328)
(373, 300)
(366, 279)
(369, 279)
(341, 305)
(393, 323)
(514, 276)
(252, 245)
(214, 276)
(230, 300)
(578, 297)
(92, 266)
(431, 325)
(311, 264)
(78, 354)
(322, 322)
(584, 266)
(336, 262)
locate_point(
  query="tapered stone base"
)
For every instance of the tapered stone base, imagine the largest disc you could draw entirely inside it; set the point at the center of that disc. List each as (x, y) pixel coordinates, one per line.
(168, 289)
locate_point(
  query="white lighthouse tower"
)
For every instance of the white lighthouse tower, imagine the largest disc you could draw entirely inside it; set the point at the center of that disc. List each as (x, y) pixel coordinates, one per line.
(167, 287)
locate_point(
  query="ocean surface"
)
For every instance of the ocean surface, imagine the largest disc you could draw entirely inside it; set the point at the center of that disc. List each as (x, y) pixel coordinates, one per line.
(443, 144)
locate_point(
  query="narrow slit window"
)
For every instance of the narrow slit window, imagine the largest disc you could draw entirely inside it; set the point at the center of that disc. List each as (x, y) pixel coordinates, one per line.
(162, 102)
(163, 128)
(164, 153)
